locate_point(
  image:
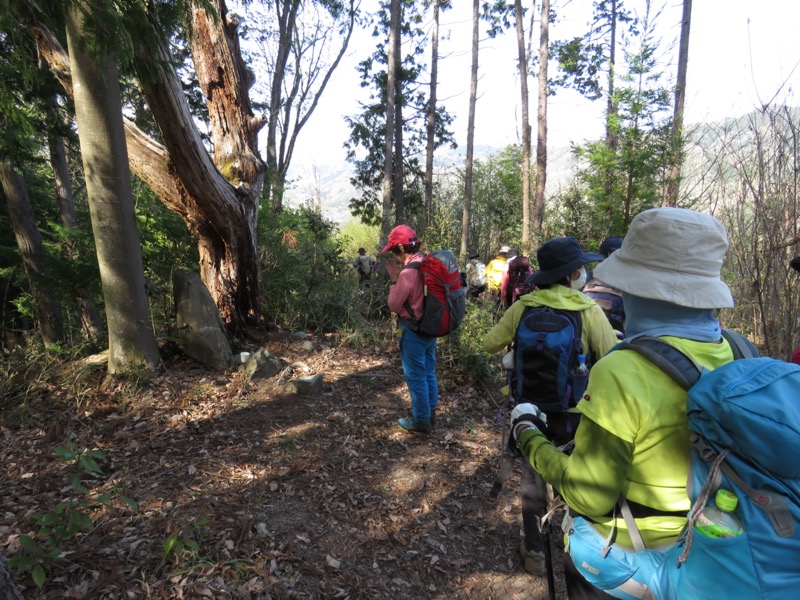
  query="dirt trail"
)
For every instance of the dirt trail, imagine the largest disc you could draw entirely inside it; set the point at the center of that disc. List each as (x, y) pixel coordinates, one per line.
(273, 495)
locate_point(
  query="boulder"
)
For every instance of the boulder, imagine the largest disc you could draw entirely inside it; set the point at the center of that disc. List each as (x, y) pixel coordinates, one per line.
(306, 386)
(200, 330)
(262, 364)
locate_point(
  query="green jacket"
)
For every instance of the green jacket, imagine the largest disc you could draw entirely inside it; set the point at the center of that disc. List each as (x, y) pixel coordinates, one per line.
(596, 333)
(633, 439)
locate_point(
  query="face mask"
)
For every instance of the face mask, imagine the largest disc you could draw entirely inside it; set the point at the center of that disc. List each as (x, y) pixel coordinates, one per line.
(578, 283)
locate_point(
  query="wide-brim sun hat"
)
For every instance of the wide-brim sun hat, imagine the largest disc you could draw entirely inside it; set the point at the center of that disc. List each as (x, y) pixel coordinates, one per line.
(674, 255)
(558, 258)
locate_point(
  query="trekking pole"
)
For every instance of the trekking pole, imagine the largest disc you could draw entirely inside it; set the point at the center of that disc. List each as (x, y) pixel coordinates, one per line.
(548, 562)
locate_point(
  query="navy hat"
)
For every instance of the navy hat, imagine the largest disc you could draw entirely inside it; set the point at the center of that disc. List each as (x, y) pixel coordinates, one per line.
(609, 245)
(472, 253)
(558, 258)
(795, 263)
(512, 253)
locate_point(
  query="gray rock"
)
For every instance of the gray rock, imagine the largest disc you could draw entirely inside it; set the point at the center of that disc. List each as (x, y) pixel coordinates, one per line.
(262, 364)
(308, 347)
(307, 386)
(200, 330)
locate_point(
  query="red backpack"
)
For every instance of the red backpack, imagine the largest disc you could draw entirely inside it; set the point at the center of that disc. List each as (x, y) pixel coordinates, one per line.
(443, 295)
(519, 270)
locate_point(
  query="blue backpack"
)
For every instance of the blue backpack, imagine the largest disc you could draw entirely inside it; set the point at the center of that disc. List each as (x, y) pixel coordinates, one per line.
(744, 421)
(546, 348)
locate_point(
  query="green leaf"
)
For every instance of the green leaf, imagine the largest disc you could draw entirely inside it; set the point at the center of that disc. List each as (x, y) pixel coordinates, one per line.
(38, 575)
(64, 454)
(130, 502)
(190, 543)
(27, 543)
(98, 454)
(20, 563)
(169, 545)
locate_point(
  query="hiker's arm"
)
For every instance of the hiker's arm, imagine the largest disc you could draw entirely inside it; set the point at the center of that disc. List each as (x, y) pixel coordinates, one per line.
(591, 479)
(401, 290)
(502, 334)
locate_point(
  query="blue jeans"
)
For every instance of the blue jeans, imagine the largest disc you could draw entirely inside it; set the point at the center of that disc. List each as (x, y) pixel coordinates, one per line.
(419, 369)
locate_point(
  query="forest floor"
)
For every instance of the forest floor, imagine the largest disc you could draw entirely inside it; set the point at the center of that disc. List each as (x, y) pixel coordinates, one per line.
(245, 491)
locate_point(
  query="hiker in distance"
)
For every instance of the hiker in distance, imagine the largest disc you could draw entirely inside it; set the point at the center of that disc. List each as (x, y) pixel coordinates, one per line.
(560, 276)
(363, 263)
(495, 271)
(609, 298)
(633, 437)
(418, 352)
(476, 274)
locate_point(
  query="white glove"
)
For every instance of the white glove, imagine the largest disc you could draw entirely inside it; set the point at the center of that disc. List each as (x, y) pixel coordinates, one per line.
(529, 415)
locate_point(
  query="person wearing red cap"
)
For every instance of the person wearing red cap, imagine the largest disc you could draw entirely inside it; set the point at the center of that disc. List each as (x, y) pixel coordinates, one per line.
(418, 351)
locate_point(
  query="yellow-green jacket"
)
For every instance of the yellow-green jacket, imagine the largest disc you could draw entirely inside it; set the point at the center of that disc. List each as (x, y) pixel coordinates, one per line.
(494, 272)
(596, 332)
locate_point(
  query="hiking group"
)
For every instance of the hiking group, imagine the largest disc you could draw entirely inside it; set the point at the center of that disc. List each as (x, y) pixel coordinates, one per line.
(626, 400)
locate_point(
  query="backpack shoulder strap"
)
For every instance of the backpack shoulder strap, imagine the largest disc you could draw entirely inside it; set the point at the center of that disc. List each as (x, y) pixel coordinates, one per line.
(682, 369)
(740, 345)
(407, 305)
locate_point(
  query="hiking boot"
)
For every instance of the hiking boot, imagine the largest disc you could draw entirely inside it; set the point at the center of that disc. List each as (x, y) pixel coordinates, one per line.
(433, 417)
(533, 561)
(413, 426)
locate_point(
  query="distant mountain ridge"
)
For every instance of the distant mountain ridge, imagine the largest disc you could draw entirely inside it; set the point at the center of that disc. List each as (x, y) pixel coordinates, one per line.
(328, 186)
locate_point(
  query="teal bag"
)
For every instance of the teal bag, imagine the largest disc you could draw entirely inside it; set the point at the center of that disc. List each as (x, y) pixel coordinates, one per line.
(744, 421)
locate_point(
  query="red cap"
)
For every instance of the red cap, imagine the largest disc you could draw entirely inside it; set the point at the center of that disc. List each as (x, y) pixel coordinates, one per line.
(402, 234)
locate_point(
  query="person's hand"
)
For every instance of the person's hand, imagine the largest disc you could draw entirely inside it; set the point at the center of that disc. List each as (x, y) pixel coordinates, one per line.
(526, 415)
(393, 268)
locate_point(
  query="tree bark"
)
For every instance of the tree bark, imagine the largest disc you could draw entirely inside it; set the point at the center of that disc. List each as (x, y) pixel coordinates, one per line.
(47, 310)
(431, 122)
(466, 221)
(541, 121)
(526, 128)
(98, 109)
(218, 200)
(388, 144)
(673, 183)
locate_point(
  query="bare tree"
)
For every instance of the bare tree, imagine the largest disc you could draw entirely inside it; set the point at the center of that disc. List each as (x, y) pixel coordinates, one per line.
(526, 128)
(466, 221)
(755, 194)
(541, 135)
(674, 177)
(295, 41)
(98, 109)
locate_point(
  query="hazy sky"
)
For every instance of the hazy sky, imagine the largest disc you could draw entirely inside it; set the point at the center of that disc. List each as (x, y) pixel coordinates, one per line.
(740, 54)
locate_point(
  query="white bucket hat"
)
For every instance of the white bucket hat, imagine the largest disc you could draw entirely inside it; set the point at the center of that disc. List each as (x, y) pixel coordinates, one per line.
(674, 255)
